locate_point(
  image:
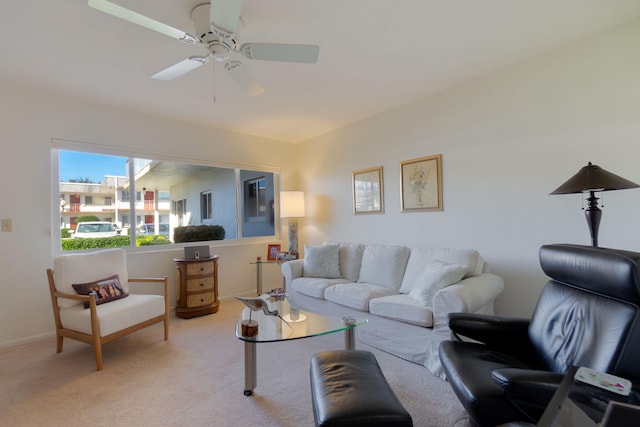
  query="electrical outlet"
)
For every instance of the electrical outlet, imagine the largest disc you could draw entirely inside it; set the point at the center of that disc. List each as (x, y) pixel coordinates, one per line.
(7, 225)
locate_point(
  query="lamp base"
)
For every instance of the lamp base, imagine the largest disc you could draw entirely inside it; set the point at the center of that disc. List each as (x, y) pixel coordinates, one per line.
(593, 214)
(290, 318)
(293, 236)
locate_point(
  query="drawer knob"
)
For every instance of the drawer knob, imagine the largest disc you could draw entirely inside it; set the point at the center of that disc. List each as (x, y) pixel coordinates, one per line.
(201, 285)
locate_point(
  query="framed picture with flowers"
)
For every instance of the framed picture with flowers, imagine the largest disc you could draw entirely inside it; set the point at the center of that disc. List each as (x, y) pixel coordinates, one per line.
(421, 184)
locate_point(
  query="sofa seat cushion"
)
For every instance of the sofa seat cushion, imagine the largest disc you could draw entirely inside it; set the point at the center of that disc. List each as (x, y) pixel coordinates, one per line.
(356, 295)
(116, 315)
(384, 265)
(314, 286)
(403, 308)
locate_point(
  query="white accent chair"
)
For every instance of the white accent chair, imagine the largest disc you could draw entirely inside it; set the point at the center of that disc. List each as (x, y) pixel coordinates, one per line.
(103, 323)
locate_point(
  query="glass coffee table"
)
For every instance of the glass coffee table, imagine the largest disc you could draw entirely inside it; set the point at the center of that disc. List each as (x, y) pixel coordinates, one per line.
(291, 325)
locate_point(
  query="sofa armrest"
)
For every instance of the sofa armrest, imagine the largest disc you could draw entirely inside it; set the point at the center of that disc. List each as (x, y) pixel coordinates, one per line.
(292, 270)
(472, 295)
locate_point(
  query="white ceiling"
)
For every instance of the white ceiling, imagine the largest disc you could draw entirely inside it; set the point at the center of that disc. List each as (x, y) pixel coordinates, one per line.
(374, 55)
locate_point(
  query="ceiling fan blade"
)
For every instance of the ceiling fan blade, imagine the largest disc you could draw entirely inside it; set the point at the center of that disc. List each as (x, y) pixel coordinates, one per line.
(225, 15)
(182, 67)
(244, 78)
(144, 21)
(304, 53)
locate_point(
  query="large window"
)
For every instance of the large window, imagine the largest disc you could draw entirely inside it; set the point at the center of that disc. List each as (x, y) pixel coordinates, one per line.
(168, 194)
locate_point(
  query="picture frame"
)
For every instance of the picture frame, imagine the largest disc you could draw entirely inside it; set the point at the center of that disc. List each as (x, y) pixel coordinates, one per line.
(272, 251)
(421, 184)
(368, 191)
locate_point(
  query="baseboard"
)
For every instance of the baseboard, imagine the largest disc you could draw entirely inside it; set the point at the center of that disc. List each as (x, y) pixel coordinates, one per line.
(27, 340)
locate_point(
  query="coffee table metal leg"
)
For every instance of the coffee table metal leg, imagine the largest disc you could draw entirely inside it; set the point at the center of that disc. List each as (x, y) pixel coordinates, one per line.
(259, 279)
(350, 338)
(250, 368)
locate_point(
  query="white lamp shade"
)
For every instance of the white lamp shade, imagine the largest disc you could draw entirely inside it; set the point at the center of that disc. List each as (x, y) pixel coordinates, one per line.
(292, 204)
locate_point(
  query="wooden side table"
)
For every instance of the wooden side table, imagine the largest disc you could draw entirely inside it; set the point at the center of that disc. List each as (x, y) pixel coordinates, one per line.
(198, 286)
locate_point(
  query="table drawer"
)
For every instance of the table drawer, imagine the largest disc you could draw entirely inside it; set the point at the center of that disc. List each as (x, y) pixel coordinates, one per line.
(200, 268)
(197, 300)
(201, 284)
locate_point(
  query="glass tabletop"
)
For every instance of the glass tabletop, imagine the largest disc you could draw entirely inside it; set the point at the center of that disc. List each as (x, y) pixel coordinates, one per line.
(290, 323)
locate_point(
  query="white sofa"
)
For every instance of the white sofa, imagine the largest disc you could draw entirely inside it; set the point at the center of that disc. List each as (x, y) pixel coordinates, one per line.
(405, 293)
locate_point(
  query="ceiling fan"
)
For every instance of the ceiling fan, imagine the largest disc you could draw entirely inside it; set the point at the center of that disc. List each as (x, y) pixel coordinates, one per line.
(217, 26)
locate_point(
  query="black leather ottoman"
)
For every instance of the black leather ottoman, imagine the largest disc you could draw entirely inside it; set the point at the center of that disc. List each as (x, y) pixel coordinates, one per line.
(348, 388)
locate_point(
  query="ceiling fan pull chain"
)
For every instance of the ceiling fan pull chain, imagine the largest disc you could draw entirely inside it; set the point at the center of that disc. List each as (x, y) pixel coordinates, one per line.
(214, 82)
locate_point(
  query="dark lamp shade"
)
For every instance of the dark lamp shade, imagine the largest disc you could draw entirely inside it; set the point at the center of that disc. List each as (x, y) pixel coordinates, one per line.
(594, 178)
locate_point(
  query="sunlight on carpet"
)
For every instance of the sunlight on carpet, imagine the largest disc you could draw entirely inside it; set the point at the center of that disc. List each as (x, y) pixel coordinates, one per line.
(196, 379)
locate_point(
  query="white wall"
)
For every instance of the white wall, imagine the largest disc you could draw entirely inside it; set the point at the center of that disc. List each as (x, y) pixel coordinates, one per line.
(29, 120)
(507, 140)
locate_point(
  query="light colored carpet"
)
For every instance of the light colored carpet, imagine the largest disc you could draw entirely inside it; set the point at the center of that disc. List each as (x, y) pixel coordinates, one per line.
(194, 379)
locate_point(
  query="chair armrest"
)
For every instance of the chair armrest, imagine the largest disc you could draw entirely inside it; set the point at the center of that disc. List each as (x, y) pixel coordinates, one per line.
(508, 335)
(530, 390)
(292, 270)
(516, 380)
(495, 331)
(77, 297)
(473, 294)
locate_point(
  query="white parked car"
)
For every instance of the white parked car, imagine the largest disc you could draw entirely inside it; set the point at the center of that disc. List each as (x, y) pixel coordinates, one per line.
(95, 229)
(150, 229)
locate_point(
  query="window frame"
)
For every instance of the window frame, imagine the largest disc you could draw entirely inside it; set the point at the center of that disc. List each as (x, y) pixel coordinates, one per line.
(206, 205)
(90, 148)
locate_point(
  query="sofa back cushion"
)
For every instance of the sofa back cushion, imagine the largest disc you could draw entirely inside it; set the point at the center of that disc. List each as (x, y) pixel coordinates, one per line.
(421, 257)
(350, 259)
(70, 269)
(384, 265)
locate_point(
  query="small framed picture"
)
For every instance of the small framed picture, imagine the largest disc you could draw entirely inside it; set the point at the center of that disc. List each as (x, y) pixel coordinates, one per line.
(368, 194)
(421, 184)
(272, 251)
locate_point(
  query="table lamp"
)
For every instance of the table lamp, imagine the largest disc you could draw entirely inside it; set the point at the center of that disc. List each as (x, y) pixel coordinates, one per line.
(591, 179)
(292, 207)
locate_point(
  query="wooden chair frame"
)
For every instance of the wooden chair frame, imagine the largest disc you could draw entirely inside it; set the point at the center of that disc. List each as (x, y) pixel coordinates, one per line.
(94, 338)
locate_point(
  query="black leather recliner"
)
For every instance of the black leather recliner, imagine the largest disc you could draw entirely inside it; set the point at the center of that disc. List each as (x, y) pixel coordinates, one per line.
(587, 315)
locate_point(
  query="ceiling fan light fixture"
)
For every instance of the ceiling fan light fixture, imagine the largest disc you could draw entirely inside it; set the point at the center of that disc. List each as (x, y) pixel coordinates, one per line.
(219, 52)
